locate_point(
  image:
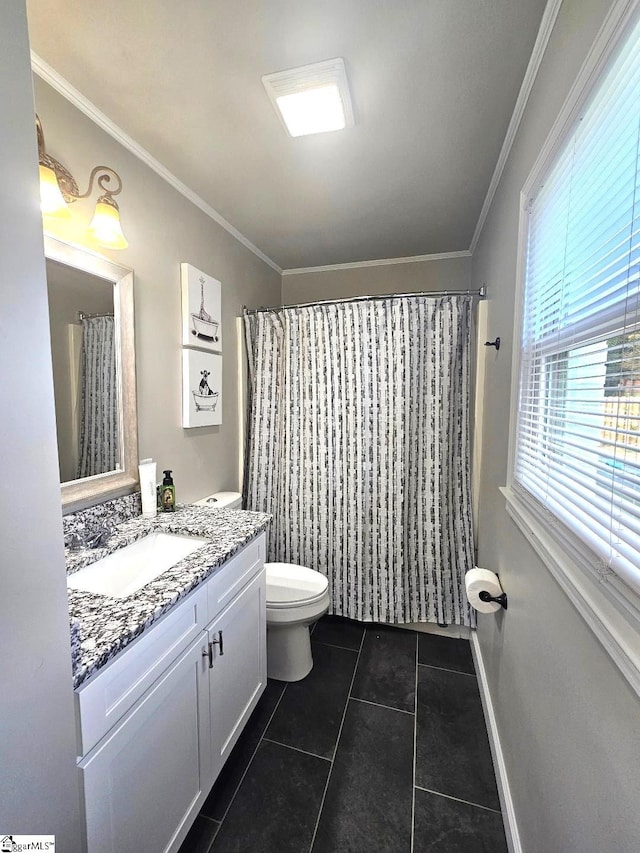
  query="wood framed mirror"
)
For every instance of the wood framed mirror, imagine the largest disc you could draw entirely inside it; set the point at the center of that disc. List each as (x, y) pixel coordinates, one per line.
(94, 373)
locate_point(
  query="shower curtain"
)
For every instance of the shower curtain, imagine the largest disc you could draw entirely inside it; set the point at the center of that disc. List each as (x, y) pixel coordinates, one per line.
(98, 421)
(358, 444)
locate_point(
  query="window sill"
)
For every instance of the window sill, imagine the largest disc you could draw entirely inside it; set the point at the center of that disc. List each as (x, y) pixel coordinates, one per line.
(609, 608)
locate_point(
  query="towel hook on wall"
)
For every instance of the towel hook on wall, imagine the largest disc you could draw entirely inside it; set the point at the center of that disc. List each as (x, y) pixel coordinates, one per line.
(495, 344)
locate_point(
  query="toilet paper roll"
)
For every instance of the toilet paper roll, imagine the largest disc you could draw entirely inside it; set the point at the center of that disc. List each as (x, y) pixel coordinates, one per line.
(477, 580)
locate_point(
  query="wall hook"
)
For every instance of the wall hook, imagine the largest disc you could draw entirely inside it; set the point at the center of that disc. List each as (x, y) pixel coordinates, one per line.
(495, 344)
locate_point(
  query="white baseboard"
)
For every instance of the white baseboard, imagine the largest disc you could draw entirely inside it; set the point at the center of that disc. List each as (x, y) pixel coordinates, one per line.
(504, 792)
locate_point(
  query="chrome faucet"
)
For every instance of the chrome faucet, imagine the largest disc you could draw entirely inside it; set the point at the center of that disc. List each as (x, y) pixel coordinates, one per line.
(95, 538)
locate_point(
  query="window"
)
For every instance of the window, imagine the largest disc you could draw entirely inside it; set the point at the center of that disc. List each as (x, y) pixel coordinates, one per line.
(577, 447)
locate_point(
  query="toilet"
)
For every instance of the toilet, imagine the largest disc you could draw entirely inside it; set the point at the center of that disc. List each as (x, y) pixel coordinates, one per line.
(296, 598)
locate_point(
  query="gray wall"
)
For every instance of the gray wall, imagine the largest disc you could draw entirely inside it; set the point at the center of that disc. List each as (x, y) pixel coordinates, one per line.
(567, 720)
(163, 228)
(38, 784)
(446, 274)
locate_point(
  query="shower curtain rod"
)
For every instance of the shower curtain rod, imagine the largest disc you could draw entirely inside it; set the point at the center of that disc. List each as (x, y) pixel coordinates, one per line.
(480, 294)
(83, 315)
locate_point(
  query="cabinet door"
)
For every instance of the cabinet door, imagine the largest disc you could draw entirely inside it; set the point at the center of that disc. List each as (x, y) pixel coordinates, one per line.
(239, 674)
(144, 783)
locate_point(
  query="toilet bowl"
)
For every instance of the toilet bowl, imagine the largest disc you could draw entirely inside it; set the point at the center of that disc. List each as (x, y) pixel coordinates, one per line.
(296, 598)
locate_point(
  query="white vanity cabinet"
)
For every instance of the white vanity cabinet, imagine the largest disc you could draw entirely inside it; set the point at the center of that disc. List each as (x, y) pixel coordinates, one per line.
(157, 723)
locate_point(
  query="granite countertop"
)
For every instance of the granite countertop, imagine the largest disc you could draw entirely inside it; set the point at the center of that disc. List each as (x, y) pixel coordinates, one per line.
(102, 626)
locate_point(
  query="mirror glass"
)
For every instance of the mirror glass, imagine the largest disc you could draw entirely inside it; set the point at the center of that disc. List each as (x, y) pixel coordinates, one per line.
(93, 357)
(82, 325)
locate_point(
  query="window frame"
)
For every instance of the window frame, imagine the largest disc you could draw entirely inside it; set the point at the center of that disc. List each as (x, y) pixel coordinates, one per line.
(609, 606)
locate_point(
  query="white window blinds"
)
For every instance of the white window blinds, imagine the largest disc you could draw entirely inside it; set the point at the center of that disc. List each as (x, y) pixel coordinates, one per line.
(578, 430)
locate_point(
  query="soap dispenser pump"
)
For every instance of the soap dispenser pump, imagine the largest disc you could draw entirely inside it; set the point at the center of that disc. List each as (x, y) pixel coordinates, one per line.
(168, 493)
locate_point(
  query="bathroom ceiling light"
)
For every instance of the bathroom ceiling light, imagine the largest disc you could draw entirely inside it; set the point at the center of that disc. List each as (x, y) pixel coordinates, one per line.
(58, 189)
(311, 99)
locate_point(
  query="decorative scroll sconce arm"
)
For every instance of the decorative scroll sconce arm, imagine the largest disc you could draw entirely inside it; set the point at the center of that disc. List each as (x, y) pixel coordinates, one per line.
(103, 179)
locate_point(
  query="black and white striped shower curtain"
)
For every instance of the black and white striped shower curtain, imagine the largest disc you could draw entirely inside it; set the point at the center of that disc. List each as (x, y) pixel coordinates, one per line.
(98, 440)
(358, 444)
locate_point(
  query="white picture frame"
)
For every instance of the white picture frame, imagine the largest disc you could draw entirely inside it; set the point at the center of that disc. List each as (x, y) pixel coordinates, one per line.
(201, 309)
(201, 388)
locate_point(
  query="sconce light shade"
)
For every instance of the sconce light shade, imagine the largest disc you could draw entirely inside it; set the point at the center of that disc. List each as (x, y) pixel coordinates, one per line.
(51, 201)
(105, 226)
(58, 188)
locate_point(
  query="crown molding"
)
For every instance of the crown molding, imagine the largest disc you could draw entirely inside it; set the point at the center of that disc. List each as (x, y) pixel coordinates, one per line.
(63, 87)
(56, 81)
(416, 259)
(542, 40)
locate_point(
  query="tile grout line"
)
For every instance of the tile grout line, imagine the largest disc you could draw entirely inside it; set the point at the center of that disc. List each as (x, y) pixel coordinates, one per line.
(379, 705)
(334, 646)
(458, 800)
(446, 669)
(212, 820)
(253, 755)
(415, 748)
(296, 749)
(344, 714)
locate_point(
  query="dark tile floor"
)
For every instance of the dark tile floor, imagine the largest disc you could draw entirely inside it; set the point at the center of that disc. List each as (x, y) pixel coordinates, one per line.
(381, 749)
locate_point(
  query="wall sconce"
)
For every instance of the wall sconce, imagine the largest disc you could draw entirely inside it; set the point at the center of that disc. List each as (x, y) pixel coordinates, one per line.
(58, 189)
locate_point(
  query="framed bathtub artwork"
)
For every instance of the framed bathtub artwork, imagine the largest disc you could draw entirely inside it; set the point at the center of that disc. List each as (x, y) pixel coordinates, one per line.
(201, 388)
(201, 309)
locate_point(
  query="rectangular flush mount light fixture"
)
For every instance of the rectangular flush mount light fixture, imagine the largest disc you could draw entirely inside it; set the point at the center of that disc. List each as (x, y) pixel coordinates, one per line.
(311, 99)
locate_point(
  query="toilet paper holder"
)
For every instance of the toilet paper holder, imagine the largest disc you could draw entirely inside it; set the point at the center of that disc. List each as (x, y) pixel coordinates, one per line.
(483, 595)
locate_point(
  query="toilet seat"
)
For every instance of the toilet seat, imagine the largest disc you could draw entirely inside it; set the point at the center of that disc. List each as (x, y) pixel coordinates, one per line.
(290, 586)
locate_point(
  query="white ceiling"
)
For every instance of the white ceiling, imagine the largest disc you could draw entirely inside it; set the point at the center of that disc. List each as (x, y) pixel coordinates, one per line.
(433, 83)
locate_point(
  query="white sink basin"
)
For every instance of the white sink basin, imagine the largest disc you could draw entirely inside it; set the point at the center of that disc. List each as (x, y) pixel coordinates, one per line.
(129, 569)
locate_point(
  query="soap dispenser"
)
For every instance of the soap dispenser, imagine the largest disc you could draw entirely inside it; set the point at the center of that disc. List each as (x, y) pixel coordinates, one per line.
(168, 493)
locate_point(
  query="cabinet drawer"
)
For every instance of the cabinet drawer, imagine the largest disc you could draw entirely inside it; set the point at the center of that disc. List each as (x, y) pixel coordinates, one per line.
(116, 688)
(234, 575)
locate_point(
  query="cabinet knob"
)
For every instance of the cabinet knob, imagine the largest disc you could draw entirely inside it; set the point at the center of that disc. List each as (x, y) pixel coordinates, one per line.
(208, 653)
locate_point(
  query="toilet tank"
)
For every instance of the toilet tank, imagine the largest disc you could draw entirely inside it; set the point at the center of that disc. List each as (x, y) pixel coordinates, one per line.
(222, 500)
